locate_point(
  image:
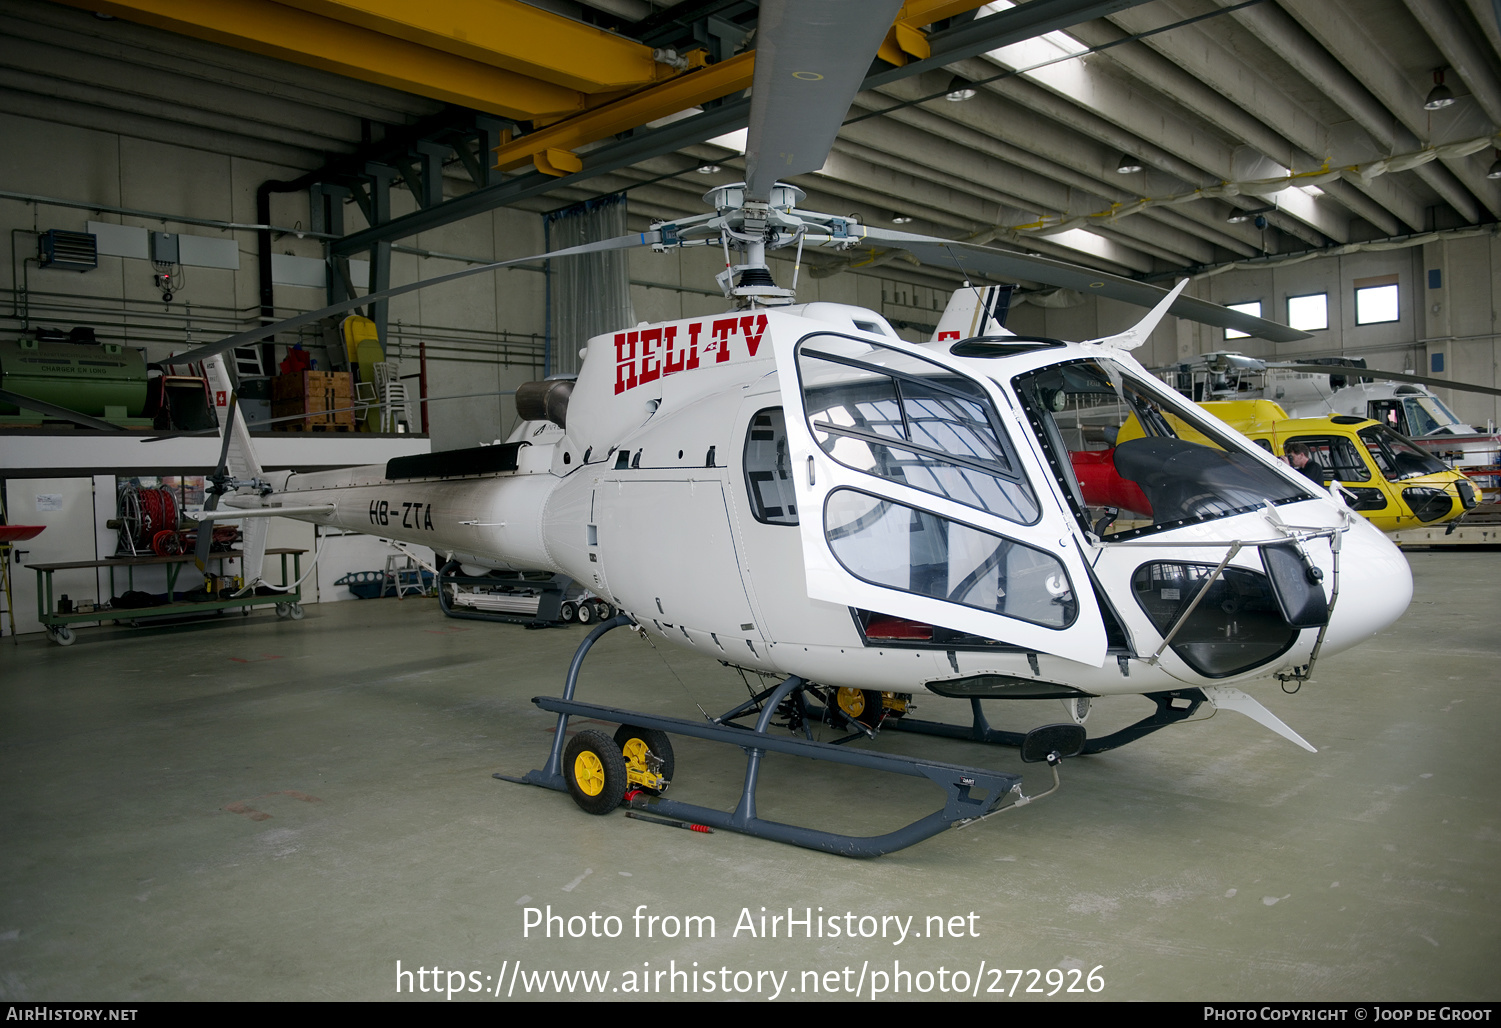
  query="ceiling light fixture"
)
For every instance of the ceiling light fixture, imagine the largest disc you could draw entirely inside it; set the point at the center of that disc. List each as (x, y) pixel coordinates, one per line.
(1239, 216)
(1495, 171)
(959, 90)
(900, 219)
(1440, 96)
(709, 169)
(1128, 165)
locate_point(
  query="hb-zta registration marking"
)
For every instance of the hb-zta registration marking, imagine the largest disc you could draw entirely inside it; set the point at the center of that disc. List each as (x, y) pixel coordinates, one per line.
(411, 515)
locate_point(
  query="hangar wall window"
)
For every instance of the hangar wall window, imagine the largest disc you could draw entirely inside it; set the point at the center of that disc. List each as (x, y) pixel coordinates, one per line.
(1252, 308)
(1376, 300)
(1308, 313)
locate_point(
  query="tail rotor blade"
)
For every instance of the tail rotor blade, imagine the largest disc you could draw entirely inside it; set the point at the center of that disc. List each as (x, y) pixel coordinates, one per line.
(215, 490)
(229, 424)
(205, 536)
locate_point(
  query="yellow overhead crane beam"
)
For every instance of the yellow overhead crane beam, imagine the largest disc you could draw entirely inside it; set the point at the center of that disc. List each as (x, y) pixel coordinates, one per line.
(503, 57)
(906, 40)
(507, 34)
(498, 56)
(550, 149)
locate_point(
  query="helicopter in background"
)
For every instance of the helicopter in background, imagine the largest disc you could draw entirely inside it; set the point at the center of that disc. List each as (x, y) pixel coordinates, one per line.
(1403, 402)
(1391, 481)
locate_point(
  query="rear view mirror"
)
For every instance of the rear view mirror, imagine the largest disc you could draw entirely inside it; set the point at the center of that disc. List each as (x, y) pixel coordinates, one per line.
(1066, 740)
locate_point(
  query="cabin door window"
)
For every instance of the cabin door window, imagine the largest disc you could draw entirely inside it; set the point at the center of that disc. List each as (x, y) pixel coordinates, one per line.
(914, 501)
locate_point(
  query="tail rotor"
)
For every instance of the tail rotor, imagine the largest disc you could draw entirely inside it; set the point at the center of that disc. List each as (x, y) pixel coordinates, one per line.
(219, 484)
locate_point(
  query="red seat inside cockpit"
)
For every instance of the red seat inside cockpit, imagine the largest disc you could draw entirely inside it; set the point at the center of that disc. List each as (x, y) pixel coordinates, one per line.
(1103, 486)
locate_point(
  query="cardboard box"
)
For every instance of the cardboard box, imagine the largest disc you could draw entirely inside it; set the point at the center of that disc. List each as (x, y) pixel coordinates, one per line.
(326, 397)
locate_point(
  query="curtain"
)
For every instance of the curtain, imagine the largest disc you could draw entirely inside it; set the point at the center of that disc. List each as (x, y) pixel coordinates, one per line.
(588, 294)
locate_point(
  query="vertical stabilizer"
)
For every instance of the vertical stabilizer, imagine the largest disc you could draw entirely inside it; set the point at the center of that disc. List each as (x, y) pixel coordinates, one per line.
(240, 460)
(975, 311)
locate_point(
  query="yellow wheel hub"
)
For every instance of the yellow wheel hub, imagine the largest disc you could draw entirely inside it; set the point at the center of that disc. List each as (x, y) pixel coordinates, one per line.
(635, 753)
(852, 701)
(589, 773)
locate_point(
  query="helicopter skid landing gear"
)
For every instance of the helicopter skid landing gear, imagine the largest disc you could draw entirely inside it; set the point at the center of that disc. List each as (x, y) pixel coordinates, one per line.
(970, 793)
(1172, 707)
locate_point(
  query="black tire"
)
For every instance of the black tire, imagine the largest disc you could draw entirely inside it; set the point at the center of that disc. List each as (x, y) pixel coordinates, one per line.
(632, 740)
(603, 611)
(595, 772)
(586, 612)
(568, 613)
(862, 705)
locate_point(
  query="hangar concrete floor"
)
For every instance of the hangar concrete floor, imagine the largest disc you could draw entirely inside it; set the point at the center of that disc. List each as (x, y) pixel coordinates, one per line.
(258, 809)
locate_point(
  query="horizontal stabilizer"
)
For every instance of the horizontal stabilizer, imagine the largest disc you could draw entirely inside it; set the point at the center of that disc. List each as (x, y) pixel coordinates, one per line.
(235, 513)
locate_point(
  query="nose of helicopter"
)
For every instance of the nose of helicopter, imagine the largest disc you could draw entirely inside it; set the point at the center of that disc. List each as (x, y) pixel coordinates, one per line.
(1375, 587)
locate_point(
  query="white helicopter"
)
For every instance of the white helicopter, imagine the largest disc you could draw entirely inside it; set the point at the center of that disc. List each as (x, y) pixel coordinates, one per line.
(796, 491)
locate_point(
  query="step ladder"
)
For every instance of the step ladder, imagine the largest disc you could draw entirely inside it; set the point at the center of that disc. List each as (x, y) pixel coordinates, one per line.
(404, 575)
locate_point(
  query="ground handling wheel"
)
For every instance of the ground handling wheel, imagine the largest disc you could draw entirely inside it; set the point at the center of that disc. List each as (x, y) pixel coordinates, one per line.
(862, 705)
(649, 762)
(585, 612)
(595, 772)
(568, 613)
(62, 635)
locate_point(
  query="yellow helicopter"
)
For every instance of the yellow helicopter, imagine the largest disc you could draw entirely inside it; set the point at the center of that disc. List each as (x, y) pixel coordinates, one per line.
(1385, 476)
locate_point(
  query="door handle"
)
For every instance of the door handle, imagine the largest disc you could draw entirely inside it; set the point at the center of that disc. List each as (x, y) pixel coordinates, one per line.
(810, 471)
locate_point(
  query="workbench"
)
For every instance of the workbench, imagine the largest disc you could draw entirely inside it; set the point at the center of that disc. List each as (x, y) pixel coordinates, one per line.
(288, 604)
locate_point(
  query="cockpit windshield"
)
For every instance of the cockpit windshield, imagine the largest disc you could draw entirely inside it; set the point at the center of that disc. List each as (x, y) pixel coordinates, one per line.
(1427, 415)
(1396, 456)
(1131, 462)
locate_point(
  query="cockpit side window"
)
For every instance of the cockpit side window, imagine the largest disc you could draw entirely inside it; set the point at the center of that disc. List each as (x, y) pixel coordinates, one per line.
(1389, 413)
(1336, 455)
(1129, 459)
(768, 471)
(901, 419)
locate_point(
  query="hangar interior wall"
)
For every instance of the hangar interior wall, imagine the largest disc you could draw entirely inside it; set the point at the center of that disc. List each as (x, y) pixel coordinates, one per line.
(486, 334)
(1451, 316)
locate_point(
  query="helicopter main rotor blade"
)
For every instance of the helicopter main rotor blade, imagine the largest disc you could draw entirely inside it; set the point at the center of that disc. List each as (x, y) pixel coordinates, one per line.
(971, 258)
(811, 57)
(1397, 376)
(255, 335)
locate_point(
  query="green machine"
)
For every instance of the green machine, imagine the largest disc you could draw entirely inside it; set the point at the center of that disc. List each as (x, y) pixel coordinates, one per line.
(106, 380)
